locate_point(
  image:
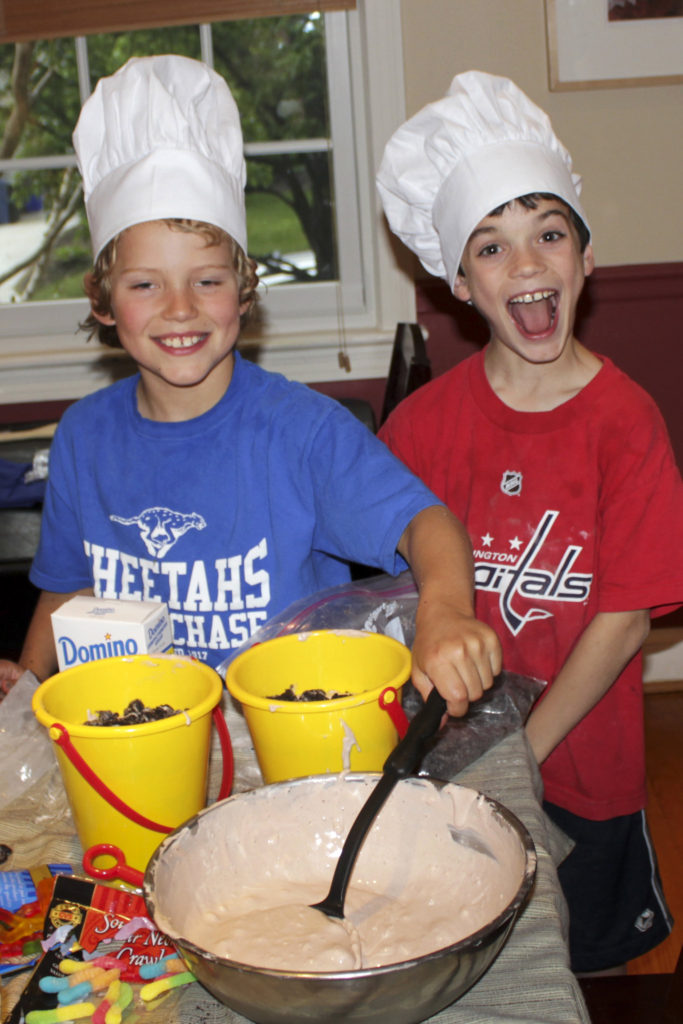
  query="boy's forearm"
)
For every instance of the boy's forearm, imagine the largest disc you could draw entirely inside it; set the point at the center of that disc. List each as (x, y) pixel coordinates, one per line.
(38, 654)
(452, 651)
(603, 650)
(437, 548)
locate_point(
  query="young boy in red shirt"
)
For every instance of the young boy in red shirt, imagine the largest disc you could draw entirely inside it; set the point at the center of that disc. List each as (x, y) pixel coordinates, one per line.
(562, 471)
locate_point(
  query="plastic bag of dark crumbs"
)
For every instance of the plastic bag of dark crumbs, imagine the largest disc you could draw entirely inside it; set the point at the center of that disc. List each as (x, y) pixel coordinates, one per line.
(387, 604)
(461, 741)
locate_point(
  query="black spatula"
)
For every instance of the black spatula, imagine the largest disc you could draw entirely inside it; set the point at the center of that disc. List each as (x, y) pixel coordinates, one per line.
(402, 761)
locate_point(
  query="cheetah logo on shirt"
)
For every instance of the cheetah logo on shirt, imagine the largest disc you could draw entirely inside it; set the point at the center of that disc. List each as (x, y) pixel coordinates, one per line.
(511, 484)
(160, 528)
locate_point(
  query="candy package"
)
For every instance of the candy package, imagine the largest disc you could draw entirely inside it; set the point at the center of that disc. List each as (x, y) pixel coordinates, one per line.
(90, 925)
(24, 899)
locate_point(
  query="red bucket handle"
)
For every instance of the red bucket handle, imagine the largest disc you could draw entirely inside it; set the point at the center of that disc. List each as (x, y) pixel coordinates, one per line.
(226, 751)
(60, 736)
(389, 702)
(119, 869)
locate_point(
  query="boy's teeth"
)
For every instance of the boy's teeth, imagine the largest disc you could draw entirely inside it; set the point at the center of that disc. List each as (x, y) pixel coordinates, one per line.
(185, 342)
(532, 297)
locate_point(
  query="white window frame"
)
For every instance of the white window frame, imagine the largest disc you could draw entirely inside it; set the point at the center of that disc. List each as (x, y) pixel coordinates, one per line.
(44, 358)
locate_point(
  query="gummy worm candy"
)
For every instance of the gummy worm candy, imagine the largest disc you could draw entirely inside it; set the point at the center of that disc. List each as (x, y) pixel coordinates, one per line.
(76, 1012)
(167, 965)
(155, 988)
(114, 1013)
(97, 979)
(69, 966)
(89, 973)
(111, 996)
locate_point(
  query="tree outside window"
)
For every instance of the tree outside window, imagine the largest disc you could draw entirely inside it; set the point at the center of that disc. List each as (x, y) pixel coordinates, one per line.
(276, 70)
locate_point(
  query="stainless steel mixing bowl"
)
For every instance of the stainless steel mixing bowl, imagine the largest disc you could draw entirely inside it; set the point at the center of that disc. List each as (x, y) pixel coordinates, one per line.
(400, 993)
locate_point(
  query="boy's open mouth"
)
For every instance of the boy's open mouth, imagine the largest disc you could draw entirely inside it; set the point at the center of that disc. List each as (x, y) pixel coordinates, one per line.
(534, 312)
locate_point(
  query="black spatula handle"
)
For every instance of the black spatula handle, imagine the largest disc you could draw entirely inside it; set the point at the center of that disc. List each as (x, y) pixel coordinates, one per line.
(400, 763)
(406, 757)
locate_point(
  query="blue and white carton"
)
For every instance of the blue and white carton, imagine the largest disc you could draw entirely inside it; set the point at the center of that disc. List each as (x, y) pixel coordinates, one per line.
(89, 628)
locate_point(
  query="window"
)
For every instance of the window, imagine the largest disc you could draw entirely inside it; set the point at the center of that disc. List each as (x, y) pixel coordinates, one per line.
(313, 132)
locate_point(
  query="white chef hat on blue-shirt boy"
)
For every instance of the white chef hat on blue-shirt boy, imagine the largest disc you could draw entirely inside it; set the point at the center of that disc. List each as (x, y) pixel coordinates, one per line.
(161, 138)
(444, 170)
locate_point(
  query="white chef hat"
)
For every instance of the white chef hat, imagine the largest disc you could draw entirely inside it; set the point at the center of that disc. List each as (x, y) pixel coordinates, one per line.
(458, 159)
(161, 138)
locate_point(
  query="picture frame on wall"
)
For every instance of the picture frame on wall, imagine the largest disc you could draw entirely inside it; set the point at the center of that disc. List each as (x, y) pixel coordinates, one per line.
(596, 44)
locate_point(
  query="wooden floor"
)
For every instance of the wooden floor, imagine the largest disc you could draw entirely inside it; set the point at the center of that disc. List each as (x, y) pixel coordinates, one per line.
(664, 746)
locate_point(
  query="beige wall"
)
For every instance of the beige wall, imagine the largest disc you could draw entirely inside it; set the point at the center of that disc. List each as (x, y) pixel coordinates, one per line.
(626, 142)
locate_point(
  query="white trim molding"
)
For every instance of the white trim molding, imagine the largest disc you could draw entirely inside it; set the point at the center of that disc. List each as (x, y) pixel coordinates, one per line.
(53, 369)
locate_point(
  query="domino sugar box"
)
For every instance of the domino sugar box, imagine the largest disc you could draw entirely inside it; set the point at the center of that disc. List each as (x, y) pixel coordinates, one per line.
(89, 628)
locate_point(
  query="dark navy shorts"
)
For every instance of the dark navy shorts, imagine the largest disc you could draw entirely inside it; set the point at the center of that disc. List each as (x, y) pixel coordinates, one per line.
(610, 880)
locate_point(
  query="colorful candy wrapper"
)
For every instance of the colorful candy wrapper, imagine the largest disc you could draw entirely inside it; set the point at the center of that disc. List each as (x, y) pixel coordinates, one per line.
(91, 916)
(24, 898)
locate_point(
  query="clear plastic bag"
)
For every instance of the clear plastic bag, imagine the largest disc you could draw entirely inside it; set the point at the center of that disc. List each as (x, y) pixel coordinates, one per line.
(387, 604)
(25, 747)
(379, 604)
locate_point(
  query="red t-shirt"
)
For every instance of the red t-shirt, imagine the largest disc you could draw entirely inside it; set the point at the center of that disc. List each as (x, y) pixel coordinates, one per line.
(570, 512)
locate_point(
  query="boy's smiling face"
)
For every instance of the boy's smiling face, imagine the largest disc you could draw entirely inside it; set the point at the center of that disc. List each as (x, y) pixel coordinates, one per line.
(524, 271)
(175, 303)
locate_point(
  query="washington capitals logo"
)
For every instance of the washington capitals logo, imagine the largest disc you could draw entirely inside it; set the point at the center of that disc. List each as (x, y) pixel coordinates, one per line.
(160, 528)
(511, 575)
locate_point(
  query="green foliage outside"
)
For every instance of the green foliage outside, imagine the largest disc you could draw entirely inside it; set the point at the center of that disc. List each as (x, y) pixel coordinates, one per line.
(275, 69)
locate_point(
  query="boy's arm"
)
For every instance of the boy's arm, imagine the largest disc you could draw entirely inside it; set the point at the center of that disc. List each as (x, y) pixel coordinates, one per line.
(452, 651)
(604, 648)
(38, 654)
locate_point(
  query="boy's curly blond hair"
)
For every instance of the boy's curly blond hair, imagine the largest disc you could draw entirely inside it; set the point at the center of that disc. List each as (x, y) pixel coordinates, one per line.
(98, 281)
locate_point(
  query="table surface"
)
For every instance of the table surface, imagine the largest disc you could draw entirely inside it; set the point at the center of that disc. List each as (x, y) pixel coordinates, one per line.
(530, 980)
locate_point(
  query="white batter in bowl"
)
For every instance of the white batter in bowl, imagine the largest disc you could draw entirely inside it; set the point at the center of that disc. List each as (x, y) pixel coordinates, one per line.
(439, 880)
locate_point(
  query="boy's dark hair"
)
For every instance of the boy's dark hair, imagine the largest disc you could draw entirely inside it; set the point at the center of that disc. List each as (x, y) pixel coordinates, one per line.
(530, 202)
(98, 282)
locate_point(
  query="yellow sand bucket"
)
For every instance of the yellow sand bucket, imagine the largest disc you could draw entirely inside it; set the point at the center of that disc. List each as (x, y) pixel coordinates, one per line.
(295, 738)
(130, 785)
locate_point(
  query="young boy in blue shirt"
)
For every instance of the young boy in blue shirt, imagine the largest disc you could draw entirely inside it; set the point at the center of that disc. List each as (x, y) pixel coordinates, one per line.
(562, 470)
(203, 481)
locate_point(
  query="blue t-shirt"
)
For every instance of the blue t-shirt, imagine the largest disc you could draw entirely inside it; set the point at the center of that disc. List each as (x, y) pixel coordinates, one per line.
(229, 517)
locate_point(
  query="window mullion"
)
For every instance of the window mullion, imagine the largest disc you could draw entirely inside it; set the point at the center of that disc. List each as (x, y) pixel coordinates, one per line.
(38, 163)
(206, 44)
(83, 68)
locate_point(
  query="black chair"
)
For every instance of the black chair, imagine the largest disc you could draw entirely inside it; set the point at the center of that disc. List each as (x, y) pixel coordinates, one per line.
(19, 533)
(409, 369)
(362, 410)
